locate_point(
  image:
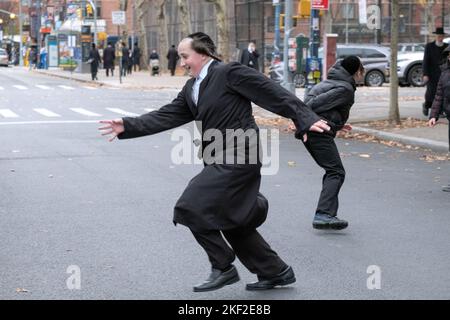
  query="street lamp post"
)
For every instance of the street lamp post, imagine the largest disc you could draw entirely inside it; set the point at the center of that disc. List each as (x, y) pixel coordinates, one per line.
(20, 34)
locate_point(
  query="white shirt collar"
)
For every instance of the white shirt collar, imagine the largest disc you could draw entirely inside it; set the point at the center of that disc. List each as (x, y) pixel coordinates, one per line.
(204, 71)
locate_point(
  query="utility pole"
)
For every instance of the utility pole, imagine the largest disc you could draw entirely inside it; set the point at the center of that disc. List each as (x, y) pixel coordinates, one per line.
(287, 76)
(277, 5)
(38, 36)
(21, 34)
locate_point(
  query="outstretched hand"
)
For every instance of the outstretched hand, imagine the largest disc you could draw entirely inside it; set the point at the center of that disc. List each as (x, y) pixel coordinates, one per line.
(113, 127)
(319, 126)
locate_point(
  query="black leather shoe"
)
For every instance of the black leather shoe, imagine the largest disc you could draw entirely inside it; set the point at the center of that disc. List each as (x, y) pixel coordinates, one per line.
(324, 221)
(284, 278)
(218, 279)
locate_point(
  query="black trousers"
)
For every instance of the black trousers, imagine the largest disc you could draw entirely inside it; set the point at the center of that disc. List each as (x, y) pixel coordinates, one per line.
(430, 93)
(247, 244)
(324, 151)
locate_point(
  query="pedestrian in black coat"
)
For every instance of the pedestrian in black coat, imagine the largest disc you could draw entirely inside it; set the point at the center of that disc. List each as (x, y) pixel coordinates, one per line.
(223, 200)
(94, 60)
(172, 57)
(432, 59)
(109, 56)
(331, 100)
(250, 56)
(124, 59)
(441, 103)
(137, 57)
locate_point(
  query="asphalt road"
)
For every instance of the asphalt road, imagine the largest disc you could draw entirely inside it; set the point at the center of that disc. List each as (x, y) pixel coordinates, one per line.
(70, 200)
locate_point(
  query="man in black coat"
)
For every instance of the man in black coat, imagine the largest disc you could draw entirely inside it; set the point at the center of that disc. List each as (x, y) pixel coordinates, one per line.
(250, 56)
(432, 59)
(223, 200)
(172, 57)
(94, 60)
(109, 55)
(332, 99)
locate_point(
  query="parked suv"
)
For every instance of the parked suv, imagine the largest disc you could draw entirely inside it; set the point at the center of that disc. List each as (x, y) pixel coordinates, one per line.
(3, 57)
(409, 69)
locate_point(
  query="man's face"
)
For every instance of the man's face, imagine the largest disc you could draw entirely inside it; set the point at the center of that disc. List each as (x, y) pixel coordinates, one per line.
(190, 60)
(440, 38)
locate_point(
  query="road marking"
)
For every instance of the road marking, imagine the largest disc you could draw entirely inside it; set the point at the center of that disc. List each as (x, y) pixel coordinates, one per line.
(40, 86)
(85, 112)
(7, 113)
(123, 112)
(66, 87)
(48, 122)
(149, 109)
(1, 88)
(20, 87)
(46, 112)
(112, 88)
(90, 88)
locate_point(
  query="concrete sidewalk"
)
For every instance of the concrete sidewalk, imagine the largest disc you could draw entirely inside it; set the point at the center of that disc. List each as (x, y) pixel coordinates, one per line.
(371, 103)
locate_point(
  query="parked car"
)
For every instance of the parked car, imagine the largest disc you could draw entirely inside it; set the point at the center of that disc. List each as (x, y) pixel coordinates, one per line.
(409, 69)
(4, 60)
(411, 47)
(373, 57)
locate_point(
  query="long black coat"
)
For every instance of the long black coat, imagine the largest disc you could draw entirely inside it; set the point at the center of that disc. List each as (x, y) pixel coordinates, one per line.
(250, 59)
(442, 98)
(223, 196)
(109, 56)
(172, 57)
(96, 60)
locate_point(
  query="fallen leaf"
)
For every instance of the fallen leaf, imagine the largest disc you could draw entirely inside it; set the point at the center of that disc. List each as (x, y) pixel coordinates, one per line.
(21, 290)
(291, 163)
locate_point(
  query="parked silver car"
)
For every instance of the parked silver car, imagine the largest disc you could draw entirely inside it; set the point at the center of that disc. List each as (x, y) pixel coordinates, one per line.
(4, 61)
(409, 69)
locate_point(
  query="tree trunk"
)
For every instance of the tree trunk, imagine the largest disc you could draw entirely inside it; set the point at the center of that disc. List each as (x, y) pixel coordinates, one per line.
(394, 113)
(164, 33)
(185, 17)
(223, 32)
(141, 12)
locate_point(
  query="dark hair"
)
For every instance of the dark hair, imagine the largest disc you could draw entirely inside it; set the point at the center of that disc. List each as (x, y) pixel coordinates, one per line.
(203, 44)
(93, 45)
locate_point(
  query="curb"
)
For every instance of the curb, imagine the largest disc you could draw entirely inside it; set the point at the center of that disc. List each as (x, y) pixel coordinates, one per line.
(100, 83)
(419, 142)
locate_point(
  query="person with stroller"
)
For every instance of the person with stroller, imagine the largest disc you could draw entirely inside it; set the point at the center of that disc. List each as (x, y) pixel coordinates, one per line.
(154, 63)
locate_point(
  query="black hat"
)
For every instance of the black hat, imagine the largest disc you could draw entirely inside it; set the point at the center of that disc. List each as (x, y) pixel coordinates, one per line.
(440, 31)
(351, 64)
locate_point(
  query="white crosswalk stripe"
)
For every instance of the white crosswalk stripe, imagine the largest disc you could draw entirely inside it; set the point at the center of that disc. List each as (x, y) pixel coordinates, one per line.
(123, 112)
(85, 112)
(40, 86)
(1, 88)
(7, 113)
(66, 87)
(90, 88)
(20, 87)
(46, 113)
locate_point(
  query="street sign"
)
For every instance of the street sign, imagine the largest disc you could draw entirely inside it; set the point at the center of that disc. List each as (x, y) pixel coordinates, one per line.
(118, 17)
(320, 4)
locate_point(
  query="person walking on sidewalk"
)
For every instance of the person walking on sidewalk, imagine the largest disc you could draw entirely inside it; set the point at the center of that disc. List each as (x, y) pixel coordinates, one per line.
(109, 55)
(432, 59)
(441, 103)
(172, 57)
(94, 60)
(137, 57)
(125, 59)
(332, 99)
(223, 200)
(250, 56)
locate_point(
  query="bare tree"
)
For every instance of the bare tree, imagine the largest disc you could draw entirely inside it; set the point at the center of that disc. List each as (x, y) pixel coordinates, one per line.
(394, 113)
(141, 12)
(160, 7)
(222, 28)
(185, 16)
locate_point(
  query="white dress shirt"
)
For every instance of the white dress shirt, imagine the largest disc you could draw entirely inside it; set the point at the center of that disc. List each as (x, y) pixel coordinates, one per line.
(198, 81)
